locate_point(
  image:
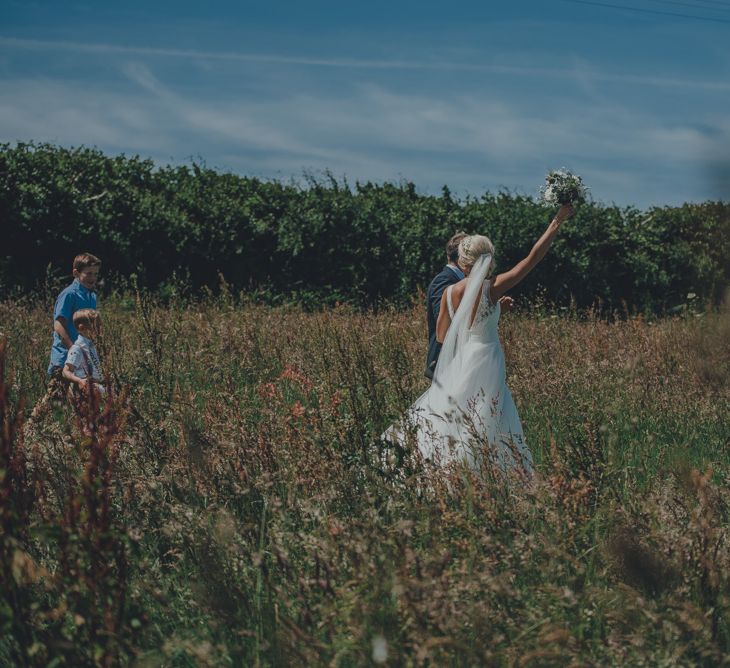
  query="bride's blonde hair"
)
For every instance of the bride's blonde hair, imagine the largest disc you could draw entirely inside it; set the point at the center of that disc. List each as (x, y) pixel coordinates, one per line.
(471, 248)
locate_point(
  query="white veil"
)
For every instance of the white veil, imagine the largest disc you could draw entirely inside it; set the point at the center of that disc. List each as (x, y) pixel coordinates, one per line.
(448, 368)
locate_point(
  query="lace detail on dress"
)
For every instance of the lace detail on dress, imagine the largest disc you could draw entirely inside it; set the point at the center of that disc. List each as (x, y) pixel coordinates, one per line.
(486, 308)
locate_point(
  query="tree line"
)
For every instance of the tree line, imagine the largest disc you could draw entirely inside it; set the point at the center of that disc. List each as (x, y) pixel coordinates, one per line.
(325, 240)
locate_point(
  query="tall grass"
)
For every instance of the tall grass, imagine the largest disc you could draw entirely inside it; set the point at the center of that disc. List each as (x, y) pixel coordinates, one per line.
(231, 504)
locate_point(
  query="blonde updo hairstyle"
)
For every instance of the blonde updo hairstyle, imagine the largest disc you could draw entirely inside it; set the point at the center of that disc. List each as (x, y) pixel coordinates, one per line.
(471, 248)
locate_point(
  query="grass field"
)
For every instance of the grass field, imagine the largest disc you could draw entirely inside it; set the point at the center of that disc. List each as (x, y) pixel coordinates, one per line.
(231, 504)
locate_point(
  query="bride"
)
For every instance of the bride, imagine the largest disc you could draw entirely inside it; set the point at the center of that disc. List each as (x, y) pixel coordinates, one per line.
(468, 412)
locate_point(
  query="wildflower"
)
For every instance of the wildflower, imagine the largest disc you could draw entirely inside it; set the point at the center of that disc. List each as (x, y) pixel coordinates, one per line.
(297, 377)
(268, 391)
(335, 401)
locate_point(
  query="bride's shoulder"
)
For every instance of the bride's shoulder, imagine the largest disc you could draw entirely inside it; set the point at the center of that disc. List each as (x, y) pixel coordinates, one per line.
(457, 291)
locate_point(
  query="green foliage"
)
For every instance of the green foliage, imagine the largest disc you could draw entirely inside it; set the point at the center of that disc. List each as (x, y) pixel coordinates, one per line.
(328, 241)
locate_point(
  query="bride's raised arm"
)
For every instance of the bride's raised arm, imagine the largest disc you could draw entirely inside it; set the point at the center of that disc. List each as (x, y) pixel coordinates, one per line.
(509, 279)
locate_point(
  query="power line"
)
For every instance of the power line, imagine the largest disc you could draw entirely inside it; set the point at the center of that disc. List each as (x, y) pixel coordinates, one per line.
(723, 8)
(715, 2)
(648, 11)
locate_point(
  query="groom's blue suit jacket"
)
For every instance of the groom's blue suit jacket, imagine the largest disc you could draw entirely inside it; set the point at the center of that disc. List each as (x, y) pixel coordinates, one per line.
(436, 288)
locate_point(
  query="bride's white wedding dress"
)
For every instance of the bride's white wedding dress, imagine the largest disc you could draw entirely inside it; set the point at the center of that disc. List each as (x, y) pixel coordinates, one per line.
(468, 412)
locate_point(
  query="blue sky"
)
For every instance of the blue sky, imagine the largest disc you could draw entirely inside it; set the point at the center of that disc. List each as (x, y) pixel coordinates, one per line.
(633, 94)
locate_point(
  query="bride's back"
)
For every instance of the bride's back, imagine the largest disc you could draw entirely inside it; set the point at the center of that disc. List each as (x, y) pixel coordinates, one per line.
(485, 313)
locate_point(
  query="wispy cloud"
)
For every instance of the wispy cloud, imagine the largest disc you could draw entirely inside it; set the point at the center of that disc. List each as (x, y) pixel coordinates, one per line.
(469, 140)
(427, 64)
(242, 122)
(47, 110)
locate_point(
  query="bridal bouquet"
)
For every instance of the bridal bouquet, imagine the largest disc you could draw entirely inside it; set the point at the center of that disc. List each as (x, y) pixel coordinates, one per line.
(563, 187)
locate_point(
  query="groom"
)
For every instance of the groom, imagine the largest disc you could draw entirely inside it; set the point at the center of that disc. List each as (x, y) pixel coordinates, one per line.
(449, 275)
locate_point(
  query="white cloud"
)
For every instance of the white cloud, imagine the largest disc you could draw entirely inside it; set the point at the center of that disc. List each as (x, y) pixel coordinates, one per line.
(470, 140)
(45, 110)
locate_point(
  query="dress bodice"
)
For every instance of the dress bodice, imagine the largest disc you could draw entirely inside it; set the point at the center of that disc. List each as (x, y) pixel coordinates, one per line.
(486, 319)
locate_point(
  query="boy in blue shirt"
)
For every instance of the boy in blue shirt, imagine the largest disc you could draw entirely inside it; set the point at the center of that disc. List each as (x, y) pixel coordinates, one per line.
(77, 296)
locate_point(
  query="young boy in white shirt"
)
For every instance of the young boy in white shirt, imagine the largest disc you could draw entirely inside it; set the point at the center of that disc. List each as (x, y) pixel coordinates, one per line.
(83, 366)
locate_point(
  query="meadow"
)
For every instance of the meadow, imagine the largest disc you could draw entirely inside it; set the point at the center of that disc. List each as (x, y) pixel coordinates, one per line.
(231, 504)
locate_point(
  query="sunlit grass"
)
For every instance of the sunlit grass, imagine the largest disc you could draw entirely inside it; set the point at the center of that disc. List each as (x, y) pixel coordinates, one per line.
(261, 522)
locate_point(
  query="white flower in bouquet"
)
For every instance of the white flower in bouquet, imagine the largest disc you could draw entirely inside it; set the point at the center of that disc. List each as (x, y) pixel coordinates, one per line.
(563, 187)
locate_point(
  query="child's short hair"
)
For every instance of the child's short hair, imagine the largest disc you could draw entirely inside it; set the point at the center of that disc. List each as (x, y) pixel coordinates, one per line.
(86, 260)
(85, 316)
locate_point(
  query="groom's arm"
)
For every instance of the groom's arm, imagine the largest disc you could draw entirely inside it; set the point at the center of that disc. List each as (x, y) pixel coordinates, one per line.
(435, 304)
(435, 297)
